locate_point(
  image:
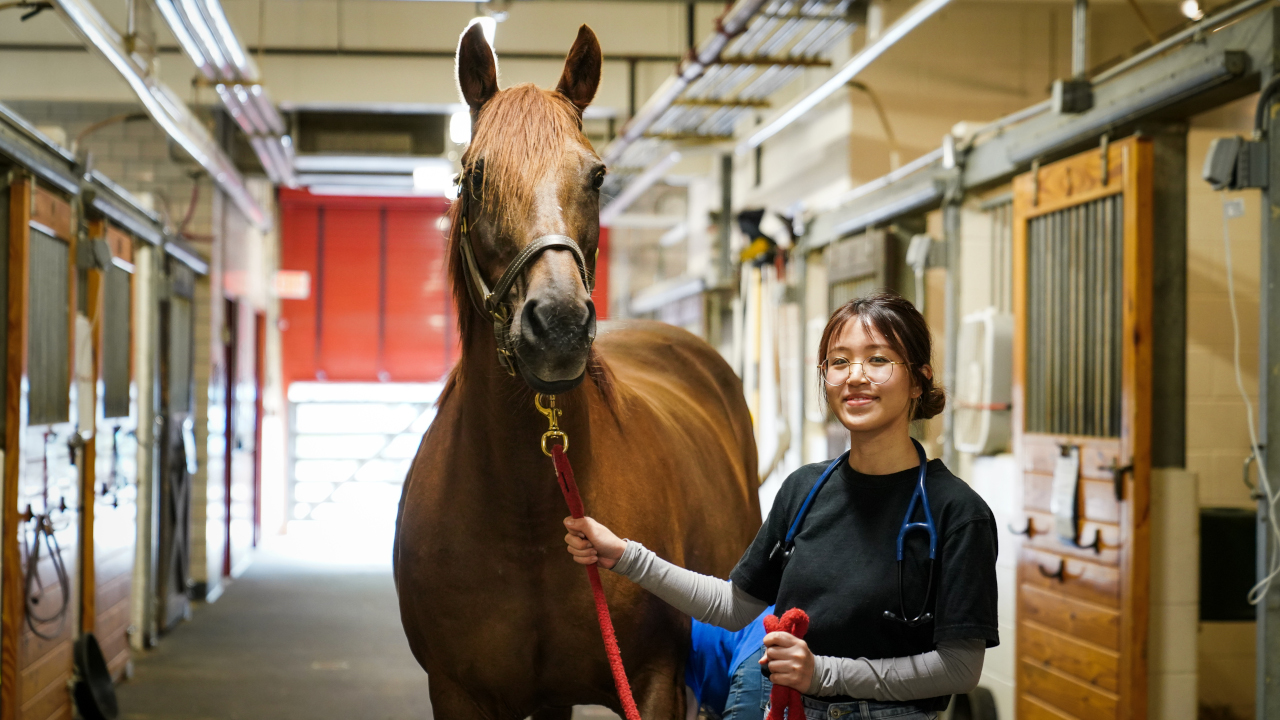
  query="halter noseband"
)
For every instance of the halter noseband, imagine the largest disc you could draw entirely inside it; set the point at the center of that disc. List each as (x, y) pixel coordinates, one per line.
(494, 302)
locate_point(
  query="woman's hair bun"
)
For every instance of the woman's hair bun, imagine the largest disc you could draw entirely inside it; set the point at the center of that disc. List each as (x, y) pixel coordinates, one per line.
(930, 402)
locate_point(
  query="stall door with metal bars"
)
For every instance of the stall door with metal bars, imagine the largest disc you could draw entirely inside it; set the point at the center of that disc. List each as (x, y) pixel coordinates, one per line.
(178, 446)
(41, 482)
(110, 519)
(1082, 301)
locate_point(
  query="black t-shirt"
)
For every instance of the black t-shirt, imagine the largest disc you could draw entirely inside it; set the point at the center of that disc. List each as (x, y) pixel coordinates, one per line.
(844, 572)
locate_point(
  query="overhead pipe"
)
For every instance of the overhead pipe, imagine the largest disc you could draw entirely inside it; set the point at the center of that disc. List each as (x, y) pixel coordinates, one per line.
(205, 35)
(1079, 39)
(728, 26)
(912, 19)
(653, 174)
(164, 107)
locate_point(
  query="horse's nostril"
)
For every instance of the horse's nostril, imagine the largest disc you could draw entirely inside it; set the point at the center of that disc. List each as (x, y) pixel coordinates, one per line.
(532, 323)
(591, 320)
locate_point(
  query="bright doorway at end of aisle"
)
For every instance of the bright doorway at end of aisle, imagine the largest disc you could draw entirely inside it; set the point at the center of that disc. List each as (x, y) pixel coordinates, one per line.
(349, 449)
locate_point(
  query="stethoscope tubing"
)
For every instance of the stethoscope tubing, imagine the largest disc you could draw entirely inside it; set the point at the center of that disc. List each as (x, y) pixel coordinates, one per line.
(787, 545)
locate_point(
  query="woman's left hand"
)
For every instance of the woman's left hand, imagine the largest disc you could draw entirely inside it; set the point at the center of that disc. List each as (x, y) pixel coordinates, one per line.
(789, 660)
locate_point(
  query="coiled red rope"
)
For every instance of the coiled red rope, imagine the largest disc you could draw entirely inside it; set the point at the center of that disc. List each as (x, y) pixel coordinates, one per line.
(564, 475)
(783, 698)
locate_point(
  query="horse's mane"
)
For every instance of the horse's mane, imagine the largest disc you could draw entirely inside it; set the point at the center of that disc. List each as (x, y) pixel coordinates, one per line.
(520, 134)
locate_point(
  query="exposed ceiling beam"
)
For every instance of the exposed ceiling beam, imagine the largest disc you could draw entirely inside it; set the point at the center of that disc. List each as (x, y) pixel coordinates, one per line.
(163, 105)
(900, 28)
(402, 53)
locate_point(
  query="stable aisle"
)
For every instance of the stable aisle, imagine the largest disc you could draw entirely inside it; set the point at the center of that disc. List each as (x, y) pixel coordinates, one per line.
(310, 631)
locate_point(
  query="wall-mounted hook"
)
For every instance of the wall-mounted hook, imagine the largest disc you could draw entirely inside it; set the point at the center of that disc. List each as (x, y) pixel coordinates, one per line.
(1117, 477)
(1096, 545)
(1060, 574)
(1029, 530)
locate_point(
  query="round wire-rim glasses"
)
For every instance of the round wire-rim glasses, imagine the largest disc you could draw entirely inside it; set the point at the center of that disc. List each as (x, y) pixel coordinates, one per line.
(836, 371)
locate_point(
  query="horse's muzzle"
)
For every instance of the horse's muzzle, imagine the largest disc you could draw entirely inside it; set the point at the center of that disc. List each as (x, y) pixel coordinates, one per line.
(553, 342)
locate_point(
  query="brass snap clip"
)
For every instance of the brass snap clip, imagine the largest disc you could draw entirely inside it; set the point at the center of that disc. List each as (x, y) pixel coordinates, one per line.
(552, 414)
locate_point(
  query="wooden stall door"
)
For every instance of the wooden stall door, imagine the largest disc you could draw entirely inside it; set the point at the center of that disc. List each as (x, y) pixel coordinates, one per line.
(41, 482)
(110, 520)
(177, 449)
(1082, 299)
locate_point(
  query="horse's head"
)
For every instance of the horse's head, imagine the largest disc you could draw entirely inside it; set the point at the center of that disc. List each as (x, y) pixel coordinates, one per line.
(528, 217)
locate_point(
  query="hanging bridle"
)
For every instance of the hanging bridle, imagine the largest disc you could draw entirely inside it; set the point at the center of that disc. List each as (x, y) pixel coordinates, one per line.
(494, 302)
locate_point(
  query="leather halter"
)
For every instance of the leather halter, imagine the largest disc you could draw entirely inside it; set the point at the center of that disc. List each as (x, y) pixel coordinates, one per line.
(494, 302)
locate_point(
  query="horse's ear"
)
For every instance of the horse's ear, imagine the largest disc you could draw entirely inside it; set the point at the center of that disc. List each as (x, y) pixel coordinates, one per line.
(477, 71)
(581, 74)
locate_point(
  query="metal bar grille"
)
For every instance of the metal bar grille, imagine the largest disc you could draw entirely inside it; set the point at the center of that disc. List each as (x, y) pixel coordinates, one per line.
(115, 343)
(49, 315)
(1001, 215)
(1074, 259)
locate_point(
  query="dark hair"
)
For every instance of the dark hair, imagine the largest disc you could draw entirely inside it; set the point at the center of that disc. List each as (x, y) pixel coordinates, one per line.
(891, 315)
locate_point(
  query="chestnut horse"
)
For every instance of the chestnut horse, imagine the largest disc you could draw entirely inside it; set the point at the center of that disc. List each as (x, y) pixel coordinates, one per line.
(495, 610)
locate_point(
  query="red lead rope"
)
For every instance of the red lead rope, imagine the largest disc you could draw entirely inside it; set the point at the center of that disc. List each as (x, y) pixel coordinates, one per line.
(564, 475)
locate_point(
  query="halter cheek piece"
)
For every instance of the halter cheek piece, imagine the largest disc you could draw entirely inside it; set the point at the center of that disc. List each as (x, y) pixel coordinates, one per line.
(494, 302)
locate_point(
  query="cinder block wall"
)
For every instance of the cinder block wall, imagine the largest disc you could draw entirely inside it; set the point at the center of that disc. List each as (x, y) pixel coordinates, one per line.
(1217, 435)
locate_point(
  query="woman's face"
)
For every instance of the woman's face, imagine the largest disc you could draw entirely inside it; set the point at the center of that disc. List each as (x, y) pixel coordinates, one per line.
(859, 404)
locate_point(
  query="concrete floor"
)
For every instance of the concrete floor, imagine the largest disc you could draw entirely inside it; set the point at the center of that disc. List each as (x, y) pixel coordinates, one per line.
(310, 631)
(307, 632)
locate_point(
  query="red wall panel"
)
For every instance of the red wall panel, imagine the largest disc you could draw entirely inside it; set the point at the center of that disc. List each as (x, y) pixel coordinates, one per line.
(347, 288)
(419, 314)
(379, 307)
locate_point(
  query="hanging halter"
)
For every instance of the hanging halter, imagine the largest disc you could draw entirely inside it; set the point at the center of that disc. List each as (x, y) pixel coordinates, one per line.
(494, 302)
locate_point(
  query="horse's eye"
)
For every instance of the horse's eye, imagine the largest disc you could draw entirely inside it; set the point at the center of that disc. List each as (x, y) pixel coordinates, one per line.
(475, 177)
(597, 178)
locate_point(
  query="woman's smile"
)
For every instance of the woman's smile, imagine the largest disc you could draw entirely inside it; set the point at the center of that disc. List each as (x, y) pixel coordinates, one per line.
(859, 400)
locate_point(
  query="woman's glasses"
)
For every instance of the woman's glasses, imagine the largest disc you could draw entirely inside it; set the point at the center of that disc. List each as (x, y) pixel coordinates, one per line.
(877, 370)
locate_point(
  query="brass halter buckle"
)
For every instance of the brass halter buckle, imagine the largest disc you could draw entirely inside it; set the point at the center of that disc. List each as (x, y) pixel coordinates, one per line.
(552, 413)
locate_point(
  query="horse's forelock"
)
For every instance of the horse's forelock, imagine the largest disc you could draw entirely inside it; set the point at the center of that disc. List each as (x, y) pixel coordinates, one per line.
(521, 134)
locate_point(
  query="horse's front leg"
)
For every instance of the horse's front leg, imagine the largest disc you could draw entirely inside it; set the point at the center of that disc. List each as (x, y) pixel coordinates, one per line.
(450, 700)
(660, 694)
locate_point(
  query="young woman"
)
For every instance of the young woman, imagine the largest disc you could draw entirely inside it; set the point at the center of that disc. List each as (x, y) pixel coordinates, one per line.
(888, 638)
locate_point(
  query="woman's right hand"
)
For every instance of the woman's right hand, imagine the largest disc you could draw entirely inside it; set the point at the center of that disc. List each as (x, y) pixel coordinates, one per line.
(591, 543)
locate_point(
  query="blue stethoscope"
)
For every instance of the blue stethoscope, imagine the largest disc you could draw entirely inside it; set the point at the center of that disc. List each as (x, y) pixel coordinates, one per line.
(783, 548)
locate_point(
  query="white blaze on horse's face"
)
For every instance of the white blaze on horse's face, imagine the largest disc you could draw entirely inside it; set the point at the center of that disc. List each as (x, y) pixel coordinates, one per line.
(552, 191)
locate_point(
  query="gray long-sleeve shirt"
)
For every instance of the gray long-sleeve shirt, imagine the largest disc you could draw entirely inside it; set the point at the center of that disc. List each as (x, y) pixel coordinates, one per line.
(953, 668)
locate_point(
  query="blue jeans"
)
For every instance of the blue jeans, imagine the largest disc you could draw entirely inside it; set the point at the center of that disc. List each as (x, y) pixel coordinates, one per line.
(863, 710)
(748, 690)
(749, 700)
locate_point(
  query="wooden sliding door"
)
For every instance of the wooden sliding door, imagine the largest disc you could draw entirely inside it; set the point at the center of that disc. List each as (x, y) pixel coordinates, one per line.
(41, 482)
(1082, 398)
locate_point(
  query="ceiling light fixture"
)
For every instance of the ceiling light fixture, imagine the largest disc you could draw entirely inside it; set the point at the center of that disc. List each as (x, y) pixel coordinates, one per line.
(460, 127)
(1191, 9)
